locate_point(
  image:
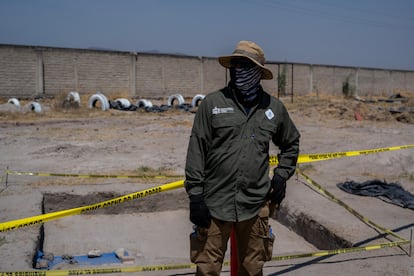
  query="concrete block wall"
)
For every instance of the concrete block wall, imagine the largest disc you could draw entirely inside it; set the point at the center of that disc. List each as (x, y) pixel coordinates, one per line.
(161, 76)
(106, 72)
(341, 76)
(302, 81)
(214, 76)
(28, 71)
(58, 66)
(85, 71)
(18, 71)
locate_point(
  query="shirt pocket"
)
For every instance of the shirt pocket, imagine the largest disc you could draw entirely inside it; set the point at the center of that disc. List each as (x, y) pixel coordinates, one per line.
(226, 129)
(264, 132)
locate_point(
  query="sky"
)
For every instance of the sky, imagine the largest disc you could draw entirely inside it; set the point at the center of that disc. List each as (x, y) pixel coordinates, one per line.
(357, 33)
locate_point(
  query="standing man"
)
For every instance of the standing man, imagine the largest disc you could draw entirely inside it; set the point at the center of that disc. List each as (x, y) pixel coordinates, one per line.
(227, 167)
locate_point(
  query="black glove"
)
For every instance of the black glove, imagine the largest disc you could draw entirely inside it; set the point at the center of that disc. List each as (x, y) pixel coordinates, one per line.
(278, 189)
(199, 213)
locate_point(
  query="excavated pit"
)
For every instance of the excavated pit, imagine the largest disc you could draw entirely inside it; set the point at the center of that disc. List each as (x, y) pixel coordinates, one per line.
(162, 202)
(311, 231)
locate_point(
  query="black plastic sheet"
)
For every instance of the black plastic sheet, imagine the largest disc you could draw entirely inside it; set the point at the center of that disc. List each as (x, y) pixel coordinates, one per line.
(389, 192)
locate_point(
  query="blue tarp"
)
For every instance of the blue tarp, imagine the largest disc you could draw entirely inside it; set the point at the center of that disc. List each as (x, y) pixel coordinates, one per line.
(105, 258)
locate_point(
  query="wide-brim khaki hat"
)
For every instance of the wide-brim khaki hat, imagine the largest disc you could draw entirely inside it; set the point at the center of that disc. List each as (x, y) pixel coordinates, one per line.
(251, 51)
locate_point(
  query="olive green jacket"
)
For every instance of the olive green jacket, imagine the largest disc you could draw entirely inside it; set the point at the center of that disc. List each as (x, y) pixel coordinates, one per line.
(228, 153)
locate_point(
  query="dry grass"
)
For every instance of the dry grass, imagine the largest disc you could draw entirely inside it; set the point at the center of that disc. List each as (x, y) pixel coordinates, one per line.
(339, 107)
(336, 107)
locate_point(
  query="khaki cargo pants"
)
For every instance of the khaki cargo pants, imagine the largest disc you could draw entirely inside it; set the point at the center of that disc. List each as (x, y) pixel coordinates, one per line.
(254, 245)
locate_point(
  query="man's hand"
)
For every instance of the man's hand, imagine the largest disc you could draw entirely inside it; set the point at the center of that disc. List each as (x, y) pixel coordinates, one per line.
(278, 189)
(199, 213)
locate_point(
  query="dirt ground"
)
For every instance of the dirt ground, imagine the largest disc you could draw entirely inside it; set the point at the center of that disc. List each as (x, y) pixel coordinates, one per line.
(91, 141)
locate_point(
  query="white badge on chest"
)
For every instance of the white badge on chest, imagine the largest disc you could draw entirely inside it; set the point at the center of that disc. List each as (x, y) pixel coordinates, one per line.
(269, 114)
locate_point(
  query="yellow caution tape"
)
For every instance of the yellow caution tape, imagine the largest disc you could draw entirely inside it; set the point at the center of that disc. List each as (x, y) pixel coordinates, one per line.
(16, 224)
(178, 184)
(89, 271)
(331, 197)
(90, 175)
(6, 226)
(340, 251)
(307, 158)
(273, 160)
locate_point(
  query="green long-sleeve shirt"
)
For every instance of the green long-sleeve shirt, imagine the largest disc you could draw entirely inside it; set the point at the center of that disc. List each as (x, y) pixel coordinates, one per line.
(228, 153)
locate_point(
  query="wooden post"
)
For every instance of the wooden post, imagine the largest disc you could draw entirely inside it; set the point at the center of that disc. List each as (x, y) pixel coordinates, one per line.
(234, 262)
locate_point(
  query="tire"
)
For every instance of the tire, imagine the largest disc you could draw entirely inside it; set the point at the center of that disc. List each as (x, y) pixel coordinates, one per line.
(14, 101)
(124, 103)
(196, 100)
(101, 98)
(177, 97)
(73, 96)
(35, 106)
(144, 104)
(164, 107)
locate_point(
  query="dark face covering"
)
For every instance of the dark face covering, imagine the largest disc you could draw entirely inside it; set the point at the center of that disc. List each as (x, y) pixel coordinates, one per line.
(247, 82)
